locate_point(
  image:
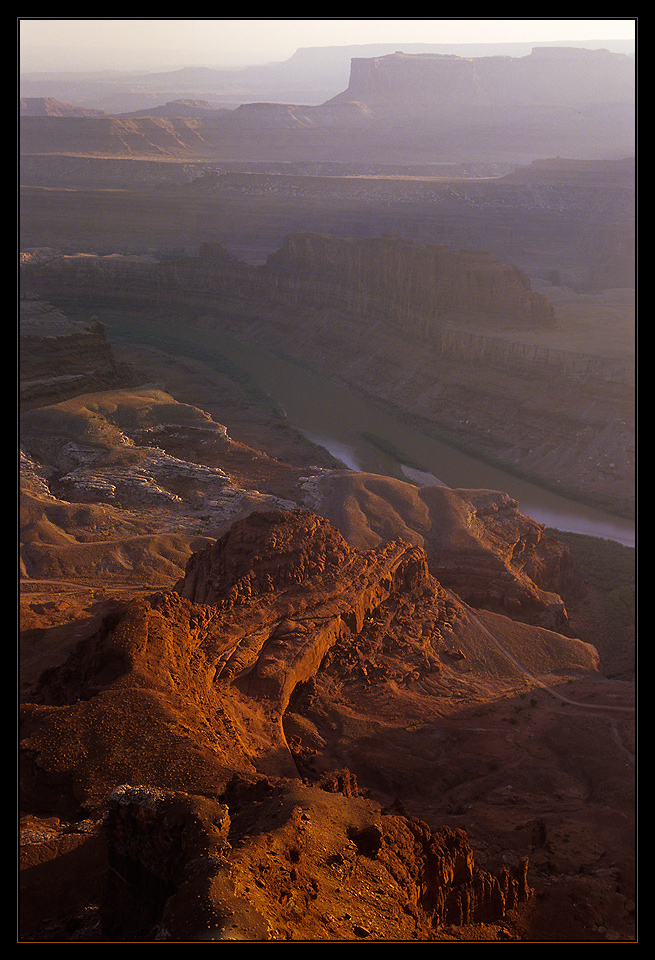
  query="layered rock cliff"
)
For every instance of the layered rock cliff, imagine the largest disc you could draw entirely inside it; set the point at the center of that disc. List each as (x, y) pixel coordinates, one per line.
(59, 358)
(456, 340)
(568, 222)
(319, 742)
(184, 696)
(398, 108)
(395, 282)
(548, 76)
(385, 283)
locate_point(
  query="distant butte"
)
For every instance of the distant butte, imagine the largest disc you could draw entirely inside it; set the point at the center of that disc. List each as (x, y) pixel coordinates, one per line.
(398, 109)
(265, 697)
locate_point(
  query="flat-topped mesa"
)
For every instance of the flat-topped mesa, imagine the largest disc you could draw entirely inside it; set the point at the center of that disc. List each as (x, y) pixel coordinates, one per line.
(420, 84)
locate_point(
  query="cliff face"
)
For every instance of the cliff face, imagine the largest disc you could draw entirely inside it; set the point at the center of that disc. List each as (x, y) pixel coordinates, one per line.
(395, 282)
(196, 762)
(398, 108)
(260, 615)
(572, 223)
(387, 283)
(184, 721)
(203, 699)
(60, 359)
(462, 328)
(175, 870)
(546, 77)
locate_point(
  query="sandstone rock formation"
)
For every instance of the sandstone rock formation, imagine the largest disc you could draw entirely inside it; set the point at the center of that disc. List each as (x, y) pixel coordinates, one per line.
(397, 108)
(552, 75)
(477, 541)
(465, 330)
(318, 740)
(302, 557)
(387, 283)
(173, 868)
(264, 698)
(177, 693)
(59, 358)
(160, 475)
(128, 480)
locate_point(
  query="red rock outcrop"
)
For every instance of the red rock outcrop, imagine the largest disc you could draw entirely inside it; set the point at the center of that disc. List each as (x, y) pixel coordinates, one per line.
(180, 688)
(176, 870)
(477, 542)
(220, 657)
(177, 693)
(303, 589)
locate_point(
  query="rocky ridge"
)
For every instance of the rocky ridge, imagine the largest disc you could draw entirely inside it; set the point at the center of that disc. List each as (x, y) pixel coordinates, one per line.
(569, 223)
(198, 716)
(131, 450)
(266, 698)
(268, 746)
(382, 282)
(98, 451)
(465, 330)
(396, 107)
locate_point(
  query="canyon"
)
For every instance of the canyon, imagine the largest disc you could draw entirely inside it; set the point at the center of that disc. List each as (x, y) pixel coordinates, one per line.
(395, 108)
(264, 696)
(296, 643)
(466, 330)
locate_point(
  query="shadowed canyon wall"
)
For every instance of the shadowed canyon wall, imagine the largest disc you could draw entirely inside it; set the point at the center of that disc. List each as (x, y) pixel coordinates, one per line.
(450, 338)
(389, 283)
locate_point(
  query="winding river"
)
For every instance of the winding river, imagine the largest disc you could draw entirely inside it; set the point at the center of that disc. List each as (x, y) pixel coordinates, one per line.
(365, 437)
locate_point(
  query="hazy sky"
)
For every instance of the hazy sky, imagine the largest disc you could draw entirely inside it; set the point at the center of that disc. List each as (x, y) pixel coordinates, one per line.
(129, 44)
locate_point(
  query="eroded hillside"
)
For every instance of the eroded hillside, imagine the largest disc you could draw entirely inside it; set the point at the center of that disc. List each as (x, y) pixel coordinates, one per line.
(487, 356)
(360, 709)
(265, 697)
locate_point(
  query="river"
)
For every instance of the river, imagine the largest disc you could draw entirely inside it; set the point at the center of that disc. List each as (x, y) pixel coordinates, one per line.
(365, 437)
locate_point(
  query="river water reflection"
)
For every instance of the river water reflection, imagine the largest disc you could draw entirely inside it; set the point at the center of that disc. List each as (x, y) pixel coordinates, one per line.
(365, 437)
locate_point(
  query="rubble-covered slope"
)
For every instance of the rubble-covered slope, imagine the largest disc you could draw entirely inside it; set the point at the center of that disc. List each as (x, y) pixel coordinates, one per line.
(182, 691)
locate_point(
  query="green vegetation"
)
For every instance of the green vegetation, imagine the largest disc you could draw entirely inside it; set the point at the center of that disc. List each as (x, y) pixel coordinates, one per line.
(613, 505)
(156, 336)
(392, 453)
(620, 507)
(608, 567)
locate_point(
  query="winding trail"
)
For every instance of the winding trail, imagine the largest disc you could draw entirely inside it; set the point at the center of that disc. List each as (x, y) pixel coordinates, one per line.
(476, 622)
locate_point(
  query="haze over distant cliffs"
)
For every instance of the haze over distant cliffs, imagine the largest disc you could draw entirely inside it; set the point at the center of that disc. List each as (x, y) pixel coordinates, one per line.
(402, 108)
(311, 75)
(464, 329)
(382, 283)
(304, 390)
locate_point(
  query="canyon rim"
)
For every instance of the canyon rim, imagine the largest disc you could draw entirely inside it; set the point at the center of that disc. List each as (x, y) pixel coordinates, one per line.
(265, 695)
